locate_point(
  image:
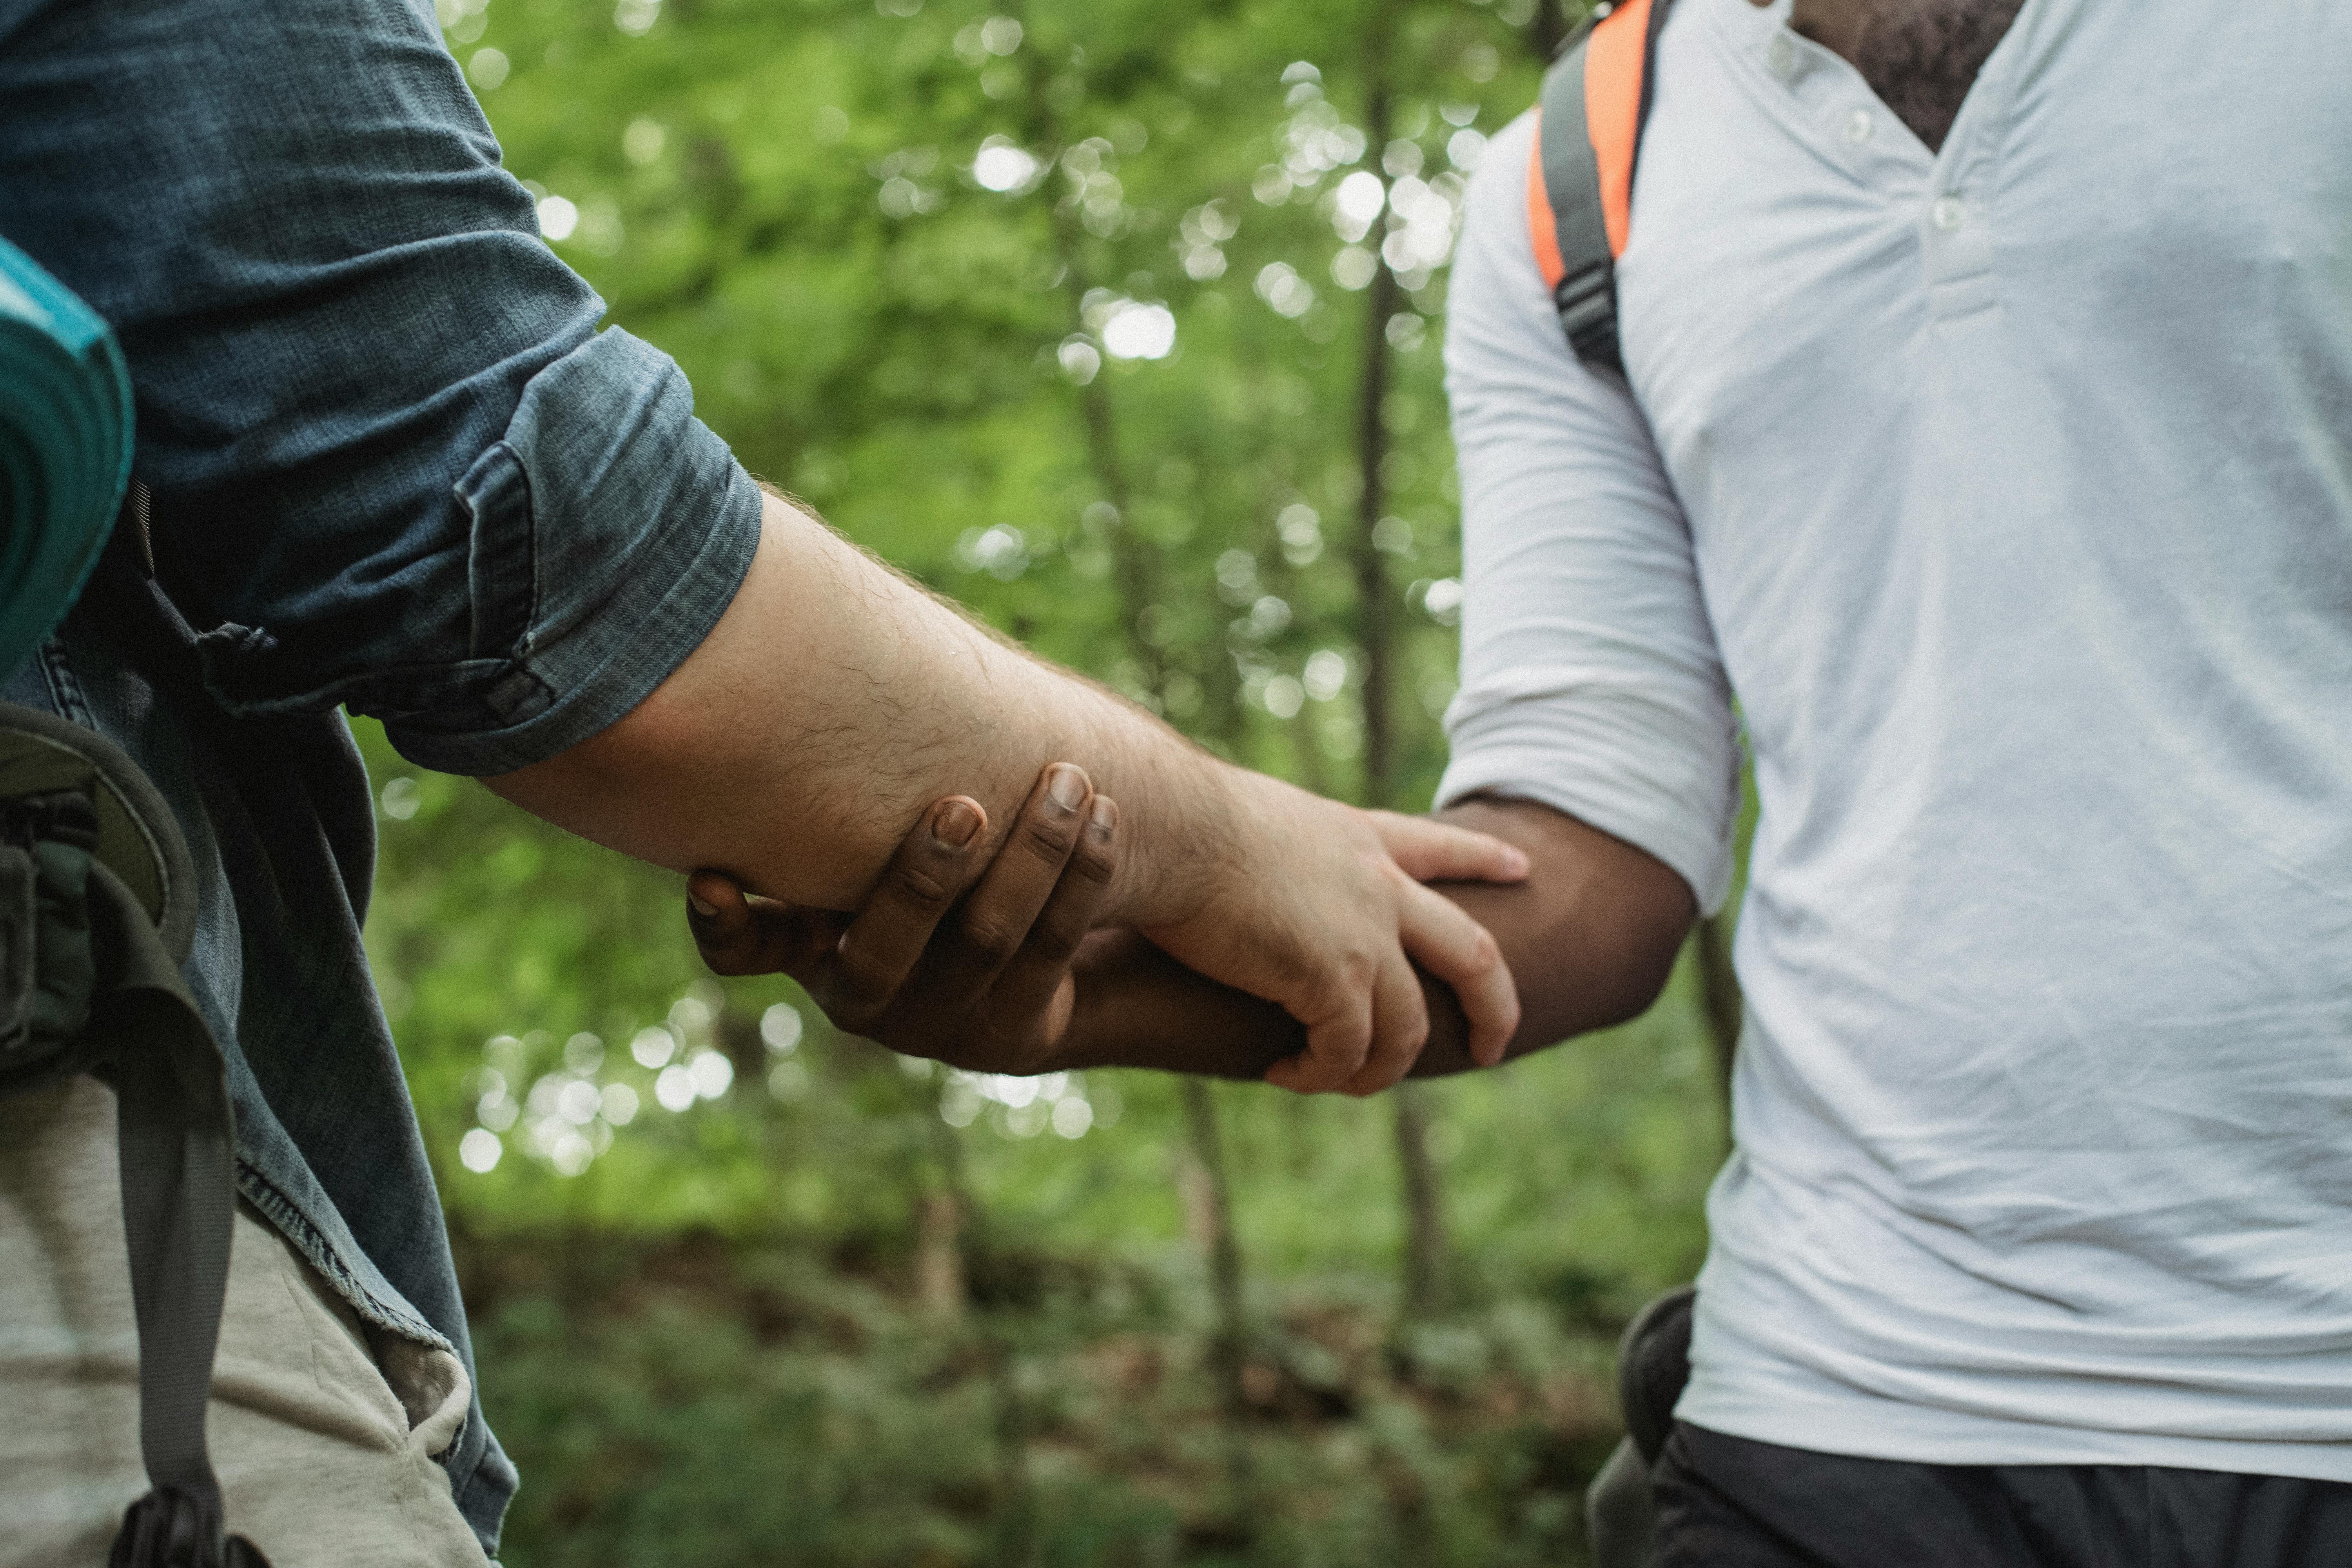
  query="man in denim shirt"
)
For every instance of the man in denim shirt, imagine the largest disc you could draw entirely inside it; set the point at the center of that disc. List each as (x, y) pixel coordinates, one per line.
(394, 466)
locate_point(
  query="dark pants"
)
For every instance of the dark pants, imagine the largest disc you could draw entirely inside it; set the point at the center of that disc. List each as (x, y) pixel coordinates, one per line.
(1728, 1502)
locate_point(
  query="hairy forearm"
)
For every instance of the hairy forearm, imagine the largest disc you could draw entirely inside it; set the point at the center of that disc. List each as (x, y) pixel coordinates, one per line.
(1589, 936)
(830, 706)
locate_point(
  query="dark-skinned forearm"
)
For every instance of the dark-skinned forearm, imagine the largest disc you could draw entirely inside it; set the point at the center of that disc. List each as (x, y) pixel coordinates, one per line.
(1589, 936)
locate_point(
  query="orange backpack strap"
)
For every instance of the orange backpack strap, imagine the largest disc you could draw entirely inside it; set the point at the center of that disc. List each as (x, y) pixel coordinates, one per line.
(1588, 120)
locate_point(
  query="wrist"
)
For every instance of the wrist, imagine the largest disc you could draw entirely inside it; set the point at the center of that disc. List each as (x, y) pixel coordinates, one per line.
(1138, 1007)
(1183, 836)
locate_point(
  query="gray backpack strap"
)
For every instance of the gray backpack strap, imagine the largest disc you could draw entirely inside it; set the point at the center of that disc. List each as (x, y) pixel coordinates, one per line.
(1594, 105)
(96, 914)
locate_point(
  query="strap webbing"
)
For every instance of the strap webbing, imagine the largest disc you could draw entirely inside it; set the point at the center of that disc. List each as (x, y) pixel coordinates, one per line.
(1590, 117)
(77, 925)
(1583, 285)
(178, 1181)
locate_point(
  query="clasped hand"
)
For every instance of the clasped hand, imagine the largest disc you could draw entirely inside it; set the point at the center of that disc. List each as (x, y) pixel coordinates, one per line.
(966, 955)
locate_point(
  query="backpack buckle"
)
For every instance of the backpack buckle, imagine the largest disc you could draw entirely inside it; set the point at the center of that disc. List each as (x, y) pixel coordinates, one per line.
(1586, 300)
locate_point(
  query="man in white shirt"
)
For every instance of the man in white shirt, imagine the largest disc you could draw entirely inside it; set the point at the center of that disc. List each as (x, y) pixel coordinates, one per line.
(1996, 457)
(1986, 434)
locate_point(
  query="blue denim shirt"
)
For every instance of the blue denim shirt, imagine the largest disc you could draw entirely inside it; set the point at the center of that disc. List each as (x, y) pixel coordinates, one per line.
(396, 467)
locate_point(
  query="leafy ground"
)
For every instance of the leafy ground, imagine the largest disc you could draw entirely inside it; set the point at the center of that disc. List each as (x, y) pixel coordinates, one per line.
(696, 1401)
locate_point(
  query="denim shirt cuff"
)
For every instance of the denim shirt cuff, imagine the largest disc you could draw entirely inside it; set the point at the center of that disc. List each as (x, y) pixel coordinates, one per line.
(610, 530)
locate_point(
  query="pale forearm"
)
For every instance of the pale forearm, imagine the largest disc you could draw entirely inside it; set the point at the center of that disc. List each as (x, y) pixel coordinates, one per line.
(831, 705)
(835, 702)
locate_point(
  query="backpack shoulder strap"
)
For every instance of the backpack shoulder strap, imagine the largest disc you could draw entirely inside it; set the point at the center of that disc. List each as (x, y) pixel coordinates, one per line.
(1588, 122)
(96, 911)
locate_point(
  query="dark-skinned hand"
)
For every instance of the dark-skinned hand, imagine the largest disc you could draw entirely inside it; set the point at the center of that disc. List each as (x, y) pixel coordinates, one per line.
(990, 983)
(989, 989)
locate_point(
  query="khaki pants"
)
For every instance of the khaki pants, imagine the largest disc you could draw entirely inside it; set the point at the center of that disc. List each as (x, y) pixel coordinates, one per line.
(323, 1441)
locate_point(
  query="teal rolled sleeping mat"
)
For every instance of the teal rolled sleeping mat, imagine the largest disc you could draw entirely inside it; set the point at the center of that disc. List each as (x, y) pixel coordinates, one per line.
(65, 449)
(97, 912)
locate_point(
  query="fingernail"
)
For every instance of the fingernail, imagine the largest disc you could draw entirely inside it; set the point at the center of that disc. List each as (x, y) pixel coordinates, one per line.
(1104, 817)
(705, 909)
(954, 824)
(1516, 861)
(1065, 786)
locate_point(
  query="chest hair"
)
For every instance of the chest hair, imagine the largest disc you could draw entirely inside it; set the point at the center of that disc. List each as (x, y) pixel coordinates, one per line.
(1919, 55)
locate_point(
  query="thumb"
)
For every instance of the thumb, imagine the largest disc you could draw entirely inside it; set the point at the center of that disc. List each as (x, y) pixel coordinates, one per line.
(737, 935)
(716, 910)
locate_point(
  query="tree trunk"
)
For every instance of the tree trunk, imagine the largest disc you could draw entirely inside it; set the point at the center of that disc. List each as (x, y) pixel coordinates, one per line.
(950, 1242)
(1550, 26)
(1376, 617)
(1426, 1264)
(940, 1282)
(1212, 1212)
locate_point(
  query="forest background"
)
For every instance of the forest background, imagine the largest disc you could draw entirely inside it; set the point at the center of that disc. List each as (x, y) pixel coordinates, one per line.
(1119, 322)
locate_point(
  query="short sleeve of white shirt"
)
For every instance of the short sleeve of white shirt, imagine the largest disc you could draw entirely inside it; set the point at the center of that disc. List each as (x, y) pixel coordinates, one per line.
(1589, 678)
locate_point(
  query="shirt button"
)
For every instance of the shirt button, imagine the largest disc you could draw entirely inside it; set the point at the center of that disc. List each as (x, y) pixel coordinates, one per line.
(1782, 56)
(1858, 127)
(1948, 213)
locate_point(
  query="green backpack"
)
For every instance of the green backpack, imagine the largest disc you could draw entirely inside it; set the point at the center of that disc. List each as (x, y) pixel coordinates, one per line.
(98, 912)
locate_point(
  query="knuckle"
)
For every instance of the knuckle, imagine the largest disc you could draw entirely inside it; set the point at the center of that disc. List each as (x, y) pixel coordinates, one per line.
(1326, 998)
(919, 887)
(1048, 841)
(1094, 863)
(993, 941)
(1403, 1035)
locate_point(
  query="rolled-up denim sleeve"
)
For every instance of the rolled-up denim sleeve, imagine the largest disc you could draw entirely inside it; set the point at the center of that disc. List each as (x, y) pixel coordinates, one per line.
(396, 464)
(608, 530)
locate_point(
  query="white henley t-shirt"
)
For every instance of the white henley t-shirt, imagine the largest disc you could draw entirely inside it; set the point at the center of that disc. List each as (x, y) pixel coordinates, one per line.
(2009, 493)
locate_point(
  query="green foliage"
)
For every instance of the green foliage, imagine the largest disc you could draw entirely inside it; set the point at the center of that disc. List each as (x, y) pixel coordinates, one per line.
(694, 1403)
(1061, 310)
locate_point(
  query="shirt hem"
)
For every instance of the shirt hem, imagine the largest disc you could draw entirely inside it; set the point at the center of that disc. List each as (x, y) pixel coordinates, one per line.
(1876, 1429)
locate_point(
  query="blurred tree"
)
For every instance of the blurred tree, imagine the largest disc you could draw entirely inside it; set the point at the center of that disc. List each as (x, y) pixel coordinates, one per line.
(1425, 1249)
